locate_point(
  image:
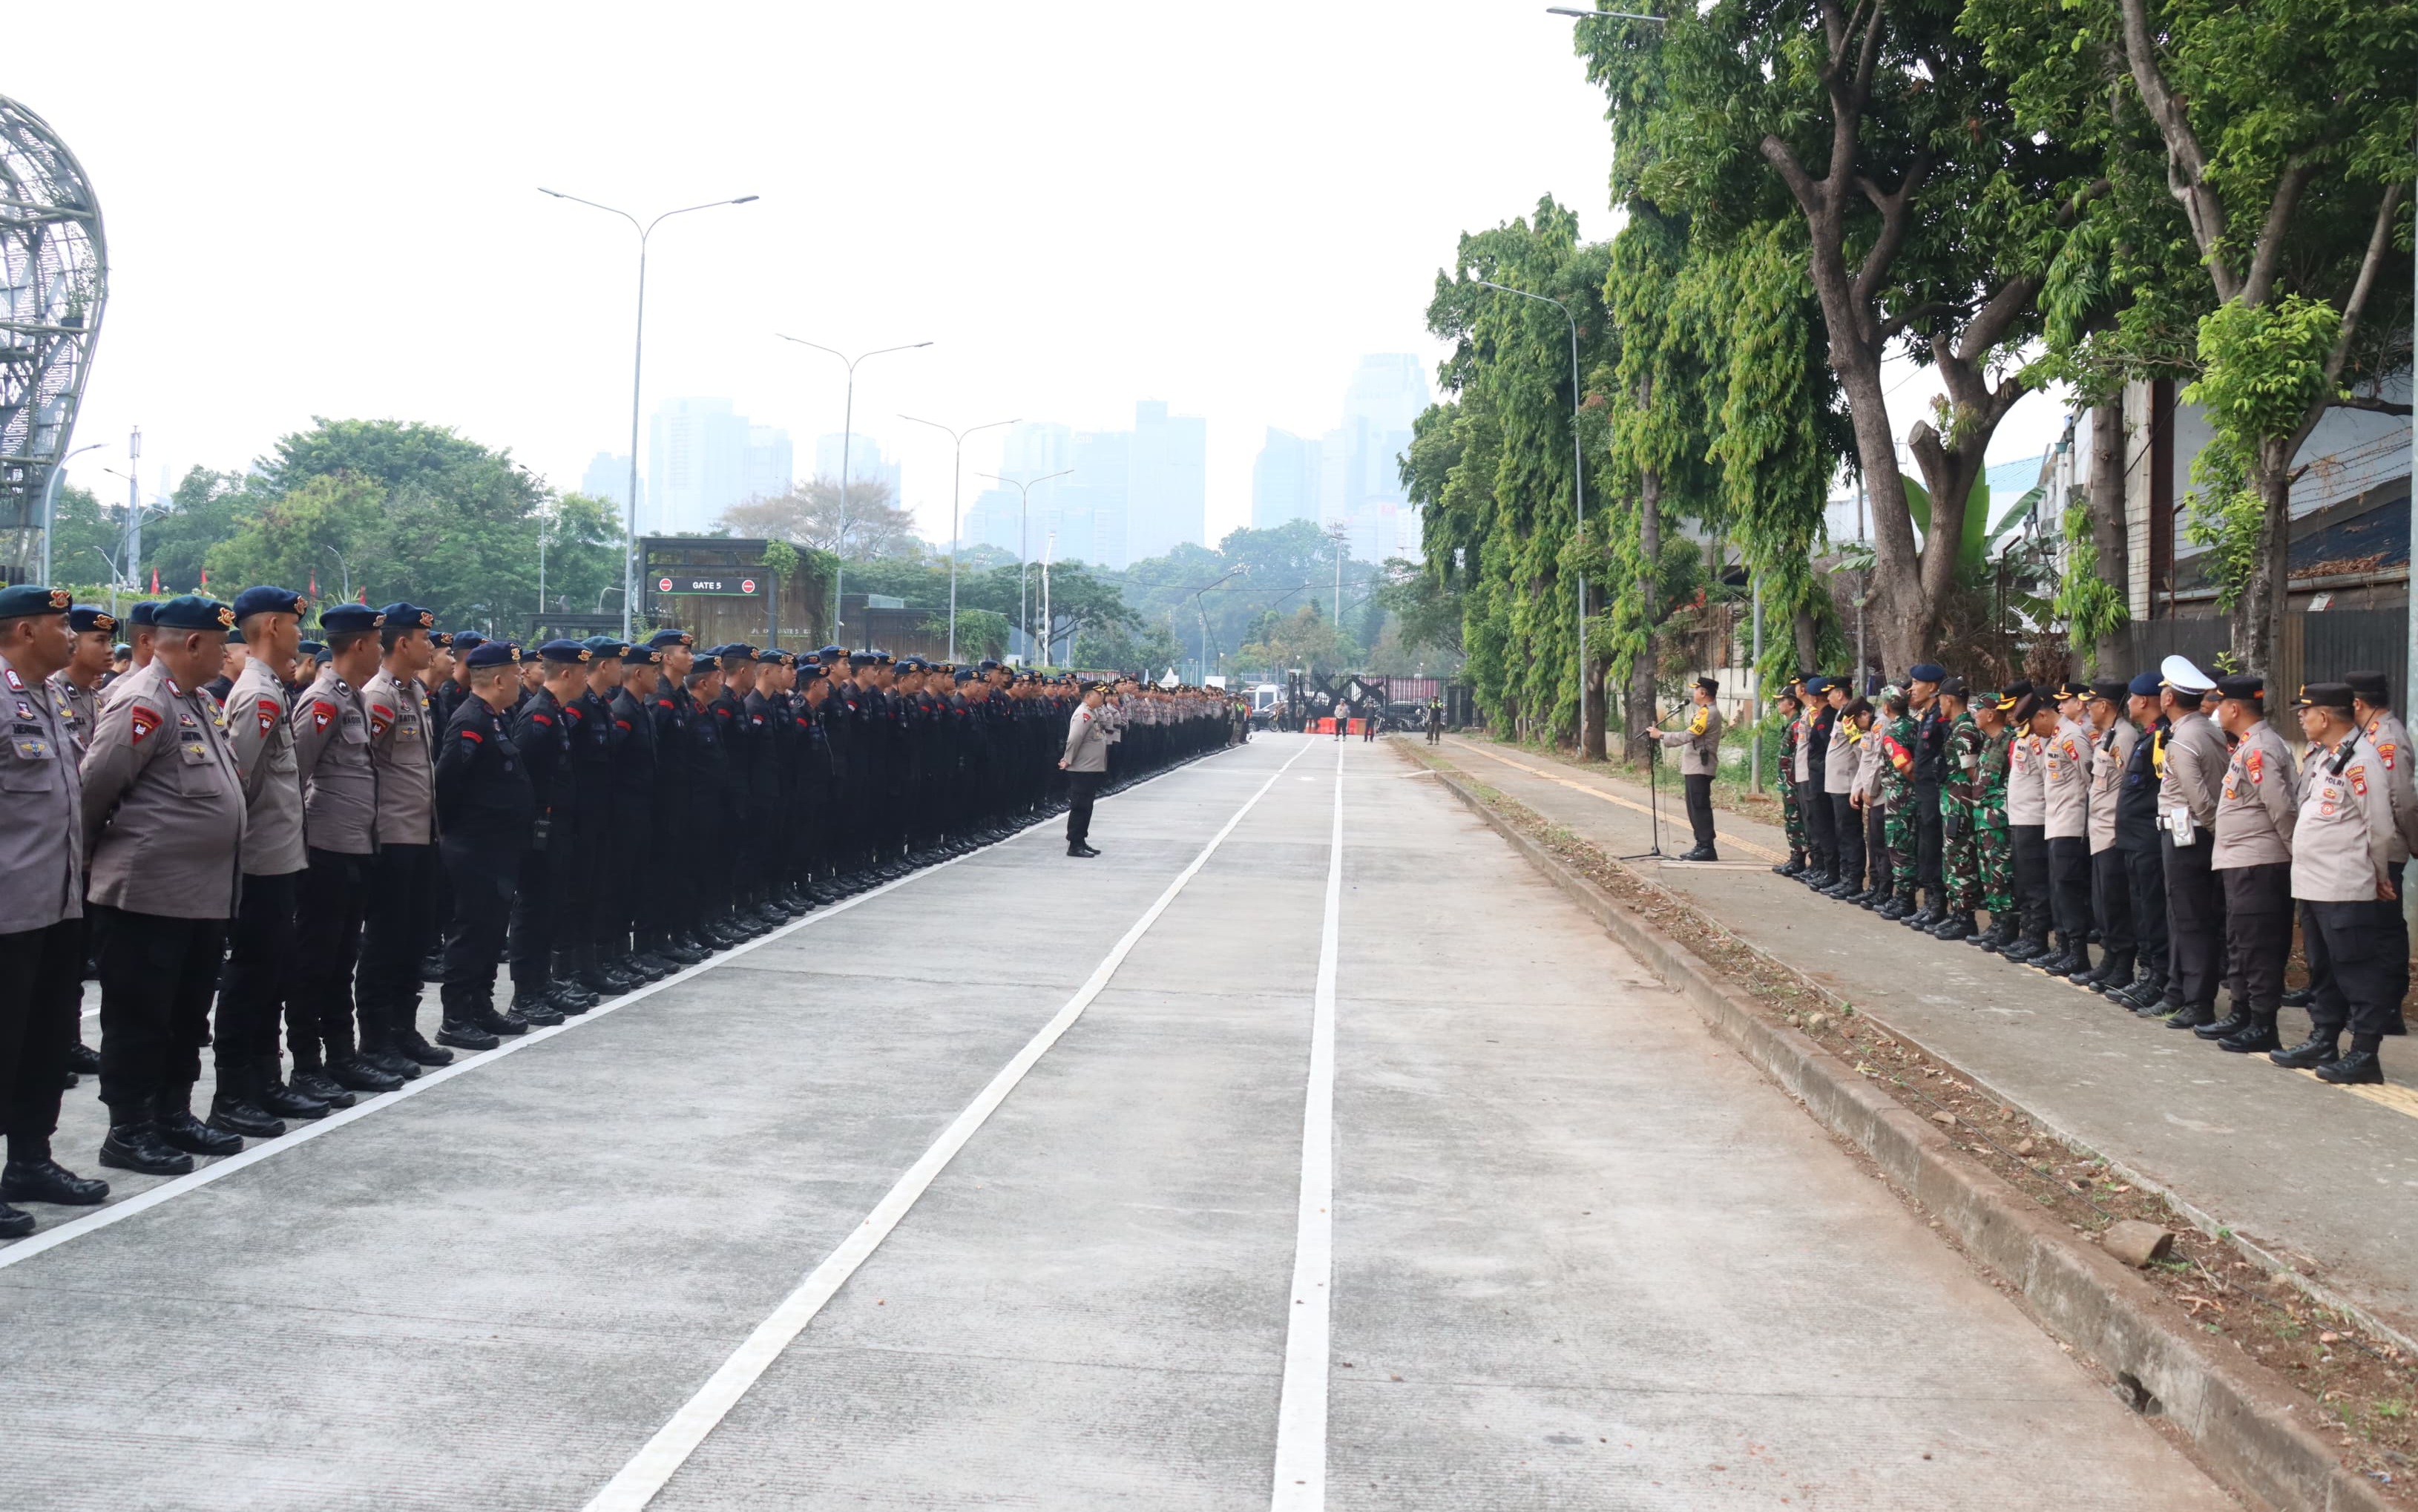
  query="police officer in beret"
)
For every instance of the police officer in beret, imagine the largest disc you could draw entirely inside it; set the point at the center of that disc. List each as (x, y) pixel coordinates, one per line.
(164, 822)
(308, 655)
(340, 820)
(140, 633)
(2371, 700)
(2342, 877)
(630, 861)
(252, 1098)
(544, 980)
(42, 907)
(75, 688)
(399, 921)
(484, 806)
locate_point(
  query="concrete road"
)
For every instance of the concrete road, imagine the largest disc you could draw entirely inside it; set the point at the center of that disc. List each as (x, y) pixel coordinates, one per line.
(988, 1192)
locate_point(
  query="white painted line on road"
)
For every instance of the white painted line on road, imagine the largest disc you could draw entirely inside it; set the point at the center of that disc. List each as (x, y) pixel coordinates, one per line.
(50, 1239)
(653, 1466)
(1301, 1408)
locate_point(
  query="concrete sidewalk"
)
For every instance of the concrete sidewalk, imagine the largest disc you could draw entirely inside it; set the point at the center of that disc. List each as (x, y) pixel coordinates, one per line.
(2301, 1169)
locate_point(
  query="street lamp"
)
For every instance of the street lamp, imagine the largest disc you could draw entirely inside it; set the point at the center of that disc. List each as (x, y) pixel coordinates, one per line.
(637, 357)
(847, 430)
(1023, 537)
(1577, 459)
(957, 475)
(1602, 15)
(50, 502)
(344, 567)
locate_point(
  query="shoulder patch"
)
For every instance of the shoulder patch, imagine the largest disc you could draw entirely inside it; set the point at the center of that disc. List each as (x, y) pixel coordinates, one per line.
(546, 719)
(473, 735)
(144, 721)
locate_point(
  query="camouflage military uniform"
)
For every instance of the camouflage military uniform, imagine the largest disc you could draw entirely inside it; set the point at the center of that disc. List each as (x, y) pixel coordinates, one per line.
(1960, 817)
(1897, 800)
(1997, 842)
(1792, 818)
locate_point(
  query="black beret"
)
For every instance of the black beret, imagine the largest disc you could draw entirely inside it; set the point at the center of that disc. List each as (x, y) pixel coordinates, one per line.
(492, 653)
(641, 655)
(468, 640)
(567, 651)
(29, 598)
(663, 640)
(253, 600)
(313, 647)
(191, 611)
(408, 617)
(85, 616)
(141, 613)
(1927, 672)
(340, 618)
(235, 637)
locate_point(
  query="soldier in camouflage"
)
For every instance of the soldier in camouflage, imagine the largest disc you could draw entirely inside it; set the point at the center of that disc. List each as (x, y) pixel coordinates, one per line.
(1959, 806)
(1896, 784)
(1792, 730)
(1995, 840)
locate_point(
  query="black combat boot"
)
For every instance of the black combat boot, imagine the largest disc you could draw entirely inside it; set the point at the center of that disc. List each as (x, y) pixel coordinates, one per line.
(1955, 926)
(279, 1100)
(1795, 863)
(46, 1181)
(133, 1144)
(234, 1111)
(2259, 1034)
(2233, 1023)
(2319, 1049)
(2192, 1015)
(173, 1118)
(2359, 1068)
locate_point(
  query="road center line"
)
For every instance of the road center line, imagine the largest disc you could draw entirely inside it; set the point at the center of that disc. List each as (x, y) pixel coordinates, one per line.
(653, 1466)
(1301, 1408)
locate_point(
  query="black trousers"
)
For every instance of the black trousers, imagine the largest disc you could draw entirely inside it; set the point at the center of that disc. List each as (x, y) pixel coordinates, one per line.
(156, 977)
(1821, 835)
(485, 875)
(2257, 933)
(395, 932)
(2146, 870)
(328, 946)
(2194, 922)
(1929, 839)
(38, 998)
(2032, 890)
(1847, 839)
(1699, 791)
(1082, 787)
(2351, 976)
(259, 970)
(2069, 883)
(533, 928)
(2111, 905)
(2398, 946)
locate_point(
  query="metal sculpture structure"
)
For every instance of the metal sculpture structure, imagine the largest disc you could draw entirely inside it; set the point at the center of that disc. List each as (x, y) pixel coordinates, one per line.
(54, 279)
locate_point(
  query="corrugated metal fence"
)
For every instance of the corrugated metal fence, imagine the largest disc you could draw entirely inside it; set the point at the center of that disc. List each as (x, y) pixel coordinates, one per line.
(2317, 647)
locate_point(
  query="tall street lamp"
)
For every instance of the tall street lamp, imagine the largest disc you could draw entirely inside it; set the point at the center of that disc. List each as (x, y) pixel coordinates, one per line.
(847, 431)
(1023, 539)
(637, 358)
(956, 476)
(50, 502)
(1577, 474)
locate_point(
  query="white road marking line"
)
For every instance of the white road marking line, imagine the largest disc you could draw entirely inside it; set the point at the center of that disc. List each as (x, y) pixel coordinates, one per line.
(653, 1466)
(1301, 1408)
(50, 1239)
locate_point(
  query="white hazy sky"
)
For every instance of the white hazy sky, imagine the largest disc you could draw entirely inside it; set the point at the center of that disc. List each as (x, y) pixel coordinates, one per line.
(332, 211)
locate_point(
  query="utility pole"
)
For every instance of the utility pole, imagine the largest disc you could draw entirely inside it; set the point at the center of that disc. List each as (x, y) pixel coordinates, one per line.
(134, 505)
(846, 433)
(1754, 698)
(957, 477)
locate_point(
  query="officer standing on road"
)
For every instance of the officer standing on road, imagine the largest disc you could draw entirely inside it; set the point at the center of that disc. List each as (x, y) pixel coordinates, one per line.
(1813, 794)
(252, 1098)
(339, 812)
(2187, 793)
(2138, 832)
(1930, 740)
(2342, 877)
(2112, 738)
(484, 805)
(2372, 706)
(42, 909)
(397, 922)
(1700, 753)
(1086, 765)
(2065, 790)
(1995, 841)
(2256, 811)
(163, 821)
(542, 980)
(2027, 826)
(75, 692)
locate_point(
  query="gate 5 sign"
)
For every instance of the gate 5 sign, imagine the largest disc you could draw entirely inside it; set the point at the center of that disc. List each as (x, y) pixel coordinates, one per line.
(742, 582)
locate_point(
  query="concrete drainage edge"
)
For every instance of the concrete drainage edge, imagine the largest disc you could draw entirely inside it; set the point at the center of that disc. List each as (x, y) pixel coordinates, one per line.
(2248, 1436)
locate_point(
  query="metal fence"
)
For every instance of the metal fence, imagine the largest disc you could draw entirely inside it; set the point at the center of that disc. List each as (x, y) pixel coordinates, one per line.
(2317, 647)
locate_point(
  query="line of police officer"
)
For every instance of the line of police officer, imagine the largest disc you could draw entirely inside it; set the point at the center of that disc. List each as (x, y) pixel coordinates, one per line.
(244, 819)
(2164, 819)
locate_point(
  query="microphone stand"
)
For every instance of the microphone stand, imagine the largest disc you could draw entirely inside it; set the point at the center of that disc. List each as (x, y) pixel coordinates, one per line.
(1653, 850)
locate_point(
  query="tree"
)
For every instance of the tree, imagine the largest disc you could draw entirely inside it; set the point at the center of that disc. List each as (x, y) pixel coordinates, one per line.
(809, 514)
(1142, 649)
(1429, 614)
(1304, 639)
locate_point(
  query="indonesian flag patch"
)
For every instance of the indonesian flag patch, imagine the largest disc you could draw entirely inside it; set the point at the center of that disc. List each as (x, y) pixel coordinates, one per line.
(144, 721)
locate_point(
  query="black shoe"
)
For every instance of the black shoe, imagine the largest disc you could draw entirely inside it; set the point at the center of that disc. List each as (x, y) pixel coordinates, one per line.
(531, 1008)
(2225, 1028)
(1956, 927)
(466, 1036)
(242, 1117)
(2193, 1017)
(139, 1147)
(1817, 880)
(47, 1181)
(1892, 908)
(1790, 867)
(2360, 1067)
(2145, 995)
(390, 1063)
(680, 954)
(2319, 1049)
(83, 1059)
(2114, 987)
(2259, 1035)
(2022, 949)
(2085, 974)
(2298, 997)
(656, 966)
(409, 1045)
(1923, 918)
(319, 1085)
(355, 1074)
(571, 1003)
(279, 1100)
(1081, 852)
(492, 1022)
(13, 1224)
(178, 1127)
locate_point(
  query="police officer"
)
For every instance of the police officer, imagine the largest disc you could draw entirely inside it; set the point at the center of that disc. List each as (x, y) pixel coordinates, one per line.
(1842, 789)
(631, 858)
(1700, 747)
(2064, 754)
(1813, 794)
(2342, 877)
(484, 805)
(340, 816)
(596, 745)
(1930, 740)
(2187, 793)
(252, 1098)
(544, 982)
(141, 633)
(2372, 706)
(41, 908)
(1085, 761)
(75, 692)
(2112, 739)
(670, 843)
(2028, 827)
(2252, 858)
(163, 821)
(2137, 836)
(398, 921)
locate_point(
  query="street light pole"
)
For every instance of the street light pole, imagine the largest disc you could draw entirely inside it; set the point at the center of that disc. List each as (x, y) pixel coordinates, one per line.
(1023, 546)
(846, 433)
(956, 476)
(637, 362)
(51, 503)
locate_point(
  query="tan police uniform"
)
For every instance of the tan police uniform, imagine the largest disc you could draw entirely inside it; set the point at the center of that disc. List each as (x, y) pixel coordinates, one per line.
(399, 922)
(261, 950)
(332, 749)
(41, 912)
(2194, 777)
(2341, 870)
(2257, 808)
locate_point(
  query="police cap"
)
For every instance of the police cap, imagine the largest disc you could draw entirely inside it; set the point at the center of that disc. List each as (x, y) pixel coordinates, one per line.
(605, 648)
(641, 655)
(2144, 686)
(1927, 672)
(30, 599)
(492, 653)
(341, 618)
(141, 613)
(467, 641)
(2241, 686)
(313, 647)
(663, 640)
(568, 653)
(85, 616)
(191, 611)
(2324, 695)
(2111, 689)
(2373, 688)
(253, 600)
(408, 617)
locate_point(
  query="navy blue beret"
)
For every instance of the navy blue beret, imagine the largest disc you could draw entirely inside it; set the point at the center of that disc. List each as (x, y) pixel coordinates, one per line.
(342, 619)
(827, 652)
(493, 653)
(1817, 683)
(313, 647)
(2144, 686)
(468, 640)
(85, 616)
(408, 617)
(605, 648)
(965, 674)
(1927, 672)
(808, 671)
(191, 611)
(235, 637)
(141, 613)
(663, 640)
(641, 655)
(861, 658)
(565, 650)
(253, 600)
(29, 598)
(773, 656)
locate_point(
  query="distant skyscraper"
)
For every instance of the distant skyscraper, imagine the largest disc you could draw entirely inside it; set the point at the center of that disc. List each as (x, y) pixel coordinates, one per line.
(865, 463)
(1095, 503)
(1286, 482)
(609, 477)
(697, 465)
(1360, 462)
(768, 473)
(1167, 497)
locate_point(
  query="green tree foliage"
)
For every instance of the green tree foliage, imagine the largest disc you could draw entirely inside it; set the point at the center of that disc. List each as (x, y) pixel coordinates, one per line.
(1306, 639)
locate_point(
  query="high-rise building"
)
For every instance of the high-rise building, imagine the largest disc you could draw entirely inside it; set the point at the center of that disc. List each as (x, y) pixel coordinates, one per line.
(1167, 493)
(1286, 482)
(697, 465)
(1095, 502)
(865, 463)
(768, 473)
(609, 477)
(1360, 461)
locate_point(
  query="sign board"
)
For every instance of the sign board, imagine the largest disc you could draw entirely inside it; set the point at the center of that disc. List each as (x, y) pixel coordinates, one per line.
(884, 601)
(739, 582)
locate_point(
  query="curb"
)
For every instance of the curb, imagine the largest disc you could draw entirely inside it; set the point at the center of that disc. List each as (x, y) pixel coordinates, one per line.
(2251, 1437)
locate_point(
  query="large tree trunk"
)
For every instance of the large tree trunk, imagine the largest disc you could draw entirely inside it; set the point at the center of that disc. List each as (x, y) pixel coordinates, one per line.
(2259, 613)
(1809, 643)
(2108, 535)
(1638, 726)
